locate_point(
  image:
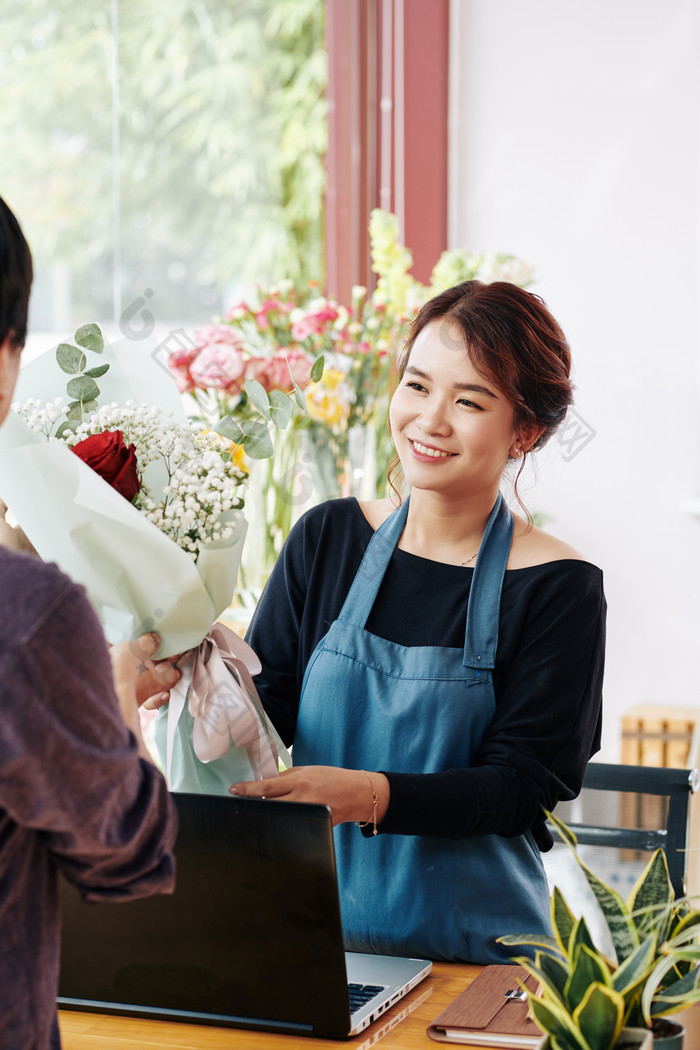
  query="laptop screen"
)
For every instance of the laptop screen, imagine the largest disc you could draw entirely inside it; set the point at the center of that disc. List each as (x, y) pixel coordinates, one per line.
(252, 935)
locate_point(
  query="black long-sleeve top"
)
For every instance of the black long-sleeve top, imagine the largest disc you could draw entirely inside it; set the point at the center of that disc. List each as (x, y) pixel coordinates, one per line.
(547, 679)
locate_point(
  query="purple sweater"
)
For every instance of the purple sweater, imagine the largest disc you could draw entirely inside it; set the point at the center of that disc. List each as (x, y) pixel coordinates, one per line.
(74, 793)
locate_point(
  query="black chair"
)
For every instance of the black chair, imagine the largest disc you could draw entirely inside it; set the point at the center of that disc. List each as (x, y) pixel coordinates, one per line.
(635, 810)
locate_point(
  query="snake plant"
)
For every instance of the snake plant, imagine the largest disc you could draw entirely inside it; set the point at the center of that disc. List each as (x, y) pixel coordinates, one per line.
(584, 997)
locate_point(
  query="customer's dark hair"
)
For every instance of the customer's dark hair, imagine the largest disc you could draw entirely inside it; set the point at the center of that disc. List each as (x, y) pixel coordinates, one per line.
(15, 279)
(513, 340)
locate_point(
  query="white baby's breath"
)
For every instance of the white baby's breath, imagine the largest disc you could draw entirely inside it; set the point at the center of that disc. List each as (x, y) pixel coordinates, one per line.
(202, 484)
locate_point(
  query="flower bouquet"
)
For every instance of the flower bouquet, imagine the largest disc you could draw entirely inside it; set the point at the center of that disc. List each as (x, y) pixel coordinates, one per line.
(145, 510)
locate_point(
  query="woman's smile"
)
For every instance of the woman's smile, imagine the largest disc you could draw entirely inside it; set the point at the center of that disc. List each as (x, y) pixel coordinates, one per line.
(429, 451)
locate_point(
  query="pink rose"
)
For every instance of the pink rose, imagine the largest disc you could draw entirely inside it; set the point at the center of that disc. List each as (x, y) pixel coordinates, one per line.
(179, 364)
(273, 372)
(315, 323)
(218, 333)
(218, 365)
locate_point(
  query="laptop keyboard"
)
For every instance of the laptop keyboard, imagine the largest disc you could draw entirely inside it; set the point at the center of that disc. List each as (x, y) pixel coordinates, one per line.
(362, 993)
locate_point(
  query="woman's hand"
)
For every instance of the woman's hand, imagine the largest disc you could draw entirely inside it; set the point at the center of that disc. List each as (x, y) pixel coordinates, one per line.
(137, 678)
(347, 792)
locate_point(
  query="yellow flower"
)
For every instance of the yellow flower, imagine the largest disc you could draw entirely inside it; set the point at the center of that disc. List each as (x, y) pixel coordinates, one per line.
(325, 402)
(238, 458)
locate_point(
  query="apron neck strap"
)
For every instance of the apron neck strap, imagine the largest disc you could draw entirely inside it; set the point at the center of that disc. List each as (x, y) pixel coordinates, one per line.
(481, 636)
(365, 587)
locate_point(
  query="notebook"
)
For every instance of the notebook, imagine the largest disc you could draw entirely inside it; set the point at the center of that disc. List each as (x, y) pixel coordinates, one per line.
(251, 938)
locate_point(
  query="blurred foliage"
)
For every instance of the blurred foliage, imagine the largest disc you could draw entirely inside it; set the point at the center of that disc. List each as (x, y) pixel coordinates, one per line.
(222, 140)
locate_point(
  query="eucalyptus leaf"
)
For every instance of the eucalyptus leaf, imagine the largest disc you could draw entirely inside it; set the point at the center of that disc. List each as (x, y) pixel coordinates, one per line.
(257, 395)
(280, 408)
(317, 368)
(96, 372)
(90, 336)
(70, 359)
(299, 397)
(67, 425)
(74, 412)
(230, 428)
(257, 441)
(83, 389)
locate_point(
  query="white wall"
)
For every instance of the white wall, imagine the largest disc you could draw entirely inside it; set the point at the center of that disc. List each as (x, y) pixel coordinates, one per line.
(574, 144)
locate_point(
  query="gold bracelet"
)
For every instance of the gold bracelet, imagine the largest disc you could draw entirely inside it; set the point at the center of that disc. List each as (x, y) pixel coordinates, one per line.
(375, 800)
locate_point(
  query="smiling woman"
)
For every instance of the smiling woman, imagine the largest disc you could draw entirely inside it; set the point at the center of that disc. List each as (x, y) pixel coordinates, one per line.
(439, 704)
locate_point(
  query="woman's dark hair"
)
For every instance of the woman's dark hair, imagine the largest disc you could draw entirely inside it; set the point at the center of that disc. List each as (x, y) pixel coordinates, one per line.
(15, 279)
(514, 341)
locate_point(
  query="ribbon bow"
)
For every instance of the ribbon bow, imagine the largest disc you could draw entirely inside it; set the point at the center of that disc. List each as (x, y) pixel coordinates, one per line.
(224, 704)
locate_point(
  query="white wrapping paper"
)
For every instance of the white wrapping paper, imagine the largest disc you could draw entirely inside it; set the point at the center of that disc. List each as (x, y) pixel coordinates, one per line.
(138, 580)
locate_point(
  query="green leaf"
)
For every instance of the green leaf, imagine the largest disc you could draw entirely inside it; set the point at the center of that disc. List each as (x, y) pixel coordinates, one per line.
(555, 972)
(536, 940)
(230, 428)
(686, 928)
(557, 1023)
(74, 412)
(66, 425)
(96, 372)
(651, 894)
(563, 921)
(280, 408)
(635, 969)
(78, 410)
(257, 441)
(677, 995)
(548, 979)
(317, 368)
(619, 920)
(600, 1016)
(90, 337)
(565, 833)
(257, 395)
(70, 359)
(588, 969)
(580, 936)
(83, 389)
(299, 397)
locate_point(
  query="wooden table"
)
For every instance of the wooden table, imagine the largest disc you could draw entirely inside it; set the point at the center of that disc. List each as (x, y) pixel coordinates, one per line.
(401, 1028)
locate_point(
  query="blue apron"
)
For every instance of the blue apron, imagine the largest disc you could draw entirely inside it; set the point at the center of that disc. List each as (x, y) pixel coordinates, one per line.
(368, 703)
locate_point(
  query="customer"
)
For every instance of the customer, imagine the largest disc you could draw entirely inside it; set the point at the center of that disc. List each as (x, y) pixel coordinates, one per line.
(436, 661)
(78, 792)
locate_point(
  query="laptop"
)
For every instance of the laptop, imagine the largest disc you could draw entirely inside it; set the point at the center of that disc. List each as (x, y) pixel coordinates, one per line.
(251, 938)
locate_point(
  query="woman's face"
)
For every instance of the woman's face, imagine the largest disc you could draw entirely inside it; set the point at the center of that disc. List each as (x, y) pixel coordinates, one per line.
(453, 429)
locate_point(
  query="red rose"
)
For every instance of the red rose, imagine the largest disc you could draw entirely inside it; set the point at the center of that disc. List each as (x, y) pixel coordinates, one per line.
(109, 457)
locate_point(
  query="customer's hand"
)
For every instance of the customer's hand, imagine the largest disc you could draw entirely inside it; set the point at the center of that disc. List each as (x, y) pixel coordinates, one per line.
(13, 536)
(137, 677)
